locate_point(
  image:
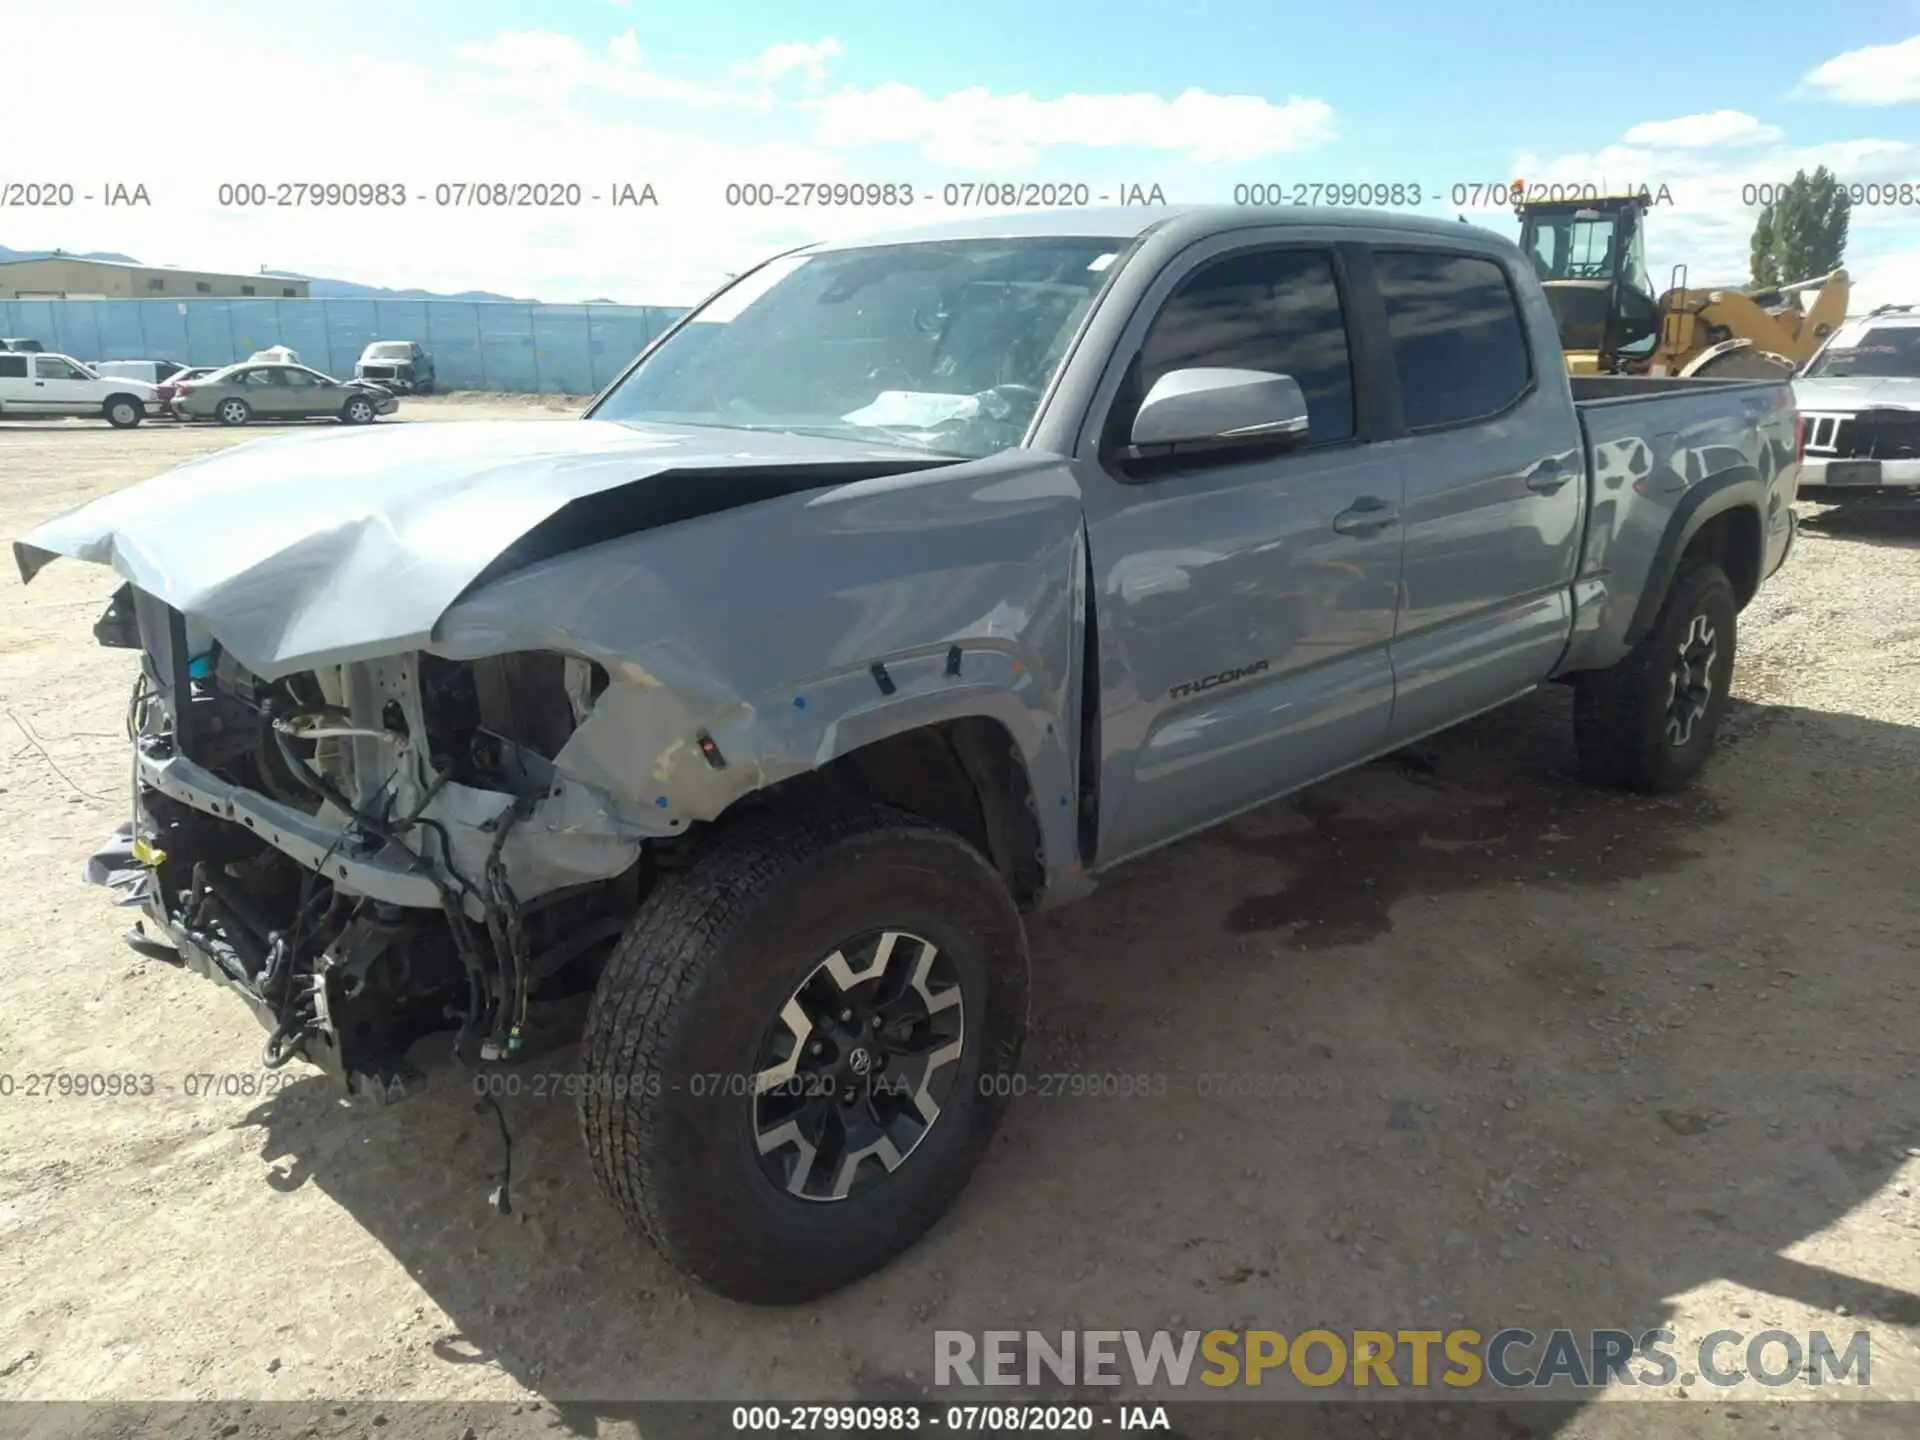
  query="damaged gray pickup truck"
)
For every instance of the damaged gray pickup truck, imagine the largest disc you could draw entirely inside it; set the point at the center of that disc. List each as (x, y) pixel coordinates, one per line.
(904, 587)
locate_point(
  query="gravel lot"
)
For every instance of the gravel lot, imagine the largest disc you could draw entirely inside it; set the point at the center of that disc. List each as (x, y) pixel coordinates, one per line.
(1538, 1056)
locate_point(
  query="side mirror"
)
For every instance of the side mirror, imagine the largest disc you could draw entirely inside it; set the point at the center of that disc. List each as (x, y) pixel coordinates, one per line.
(1220, 407)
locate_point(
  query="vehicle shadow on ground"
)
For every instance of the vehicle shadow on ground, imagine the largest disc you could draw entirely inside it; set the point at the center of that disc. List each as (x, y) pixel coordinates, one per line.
(1448, 1041)
(1892, 523)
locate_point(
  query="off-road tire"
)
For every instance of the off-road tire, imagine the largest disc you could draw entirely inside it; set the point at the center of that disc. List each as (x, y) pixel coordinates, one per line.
(123, 412)
(1620, 714)
(707, 963)
(233, 411)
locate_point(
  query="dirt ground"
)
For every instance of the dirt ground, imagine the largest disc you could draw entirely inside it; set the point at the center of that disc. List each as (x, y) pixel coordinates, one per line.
(1532, 1055)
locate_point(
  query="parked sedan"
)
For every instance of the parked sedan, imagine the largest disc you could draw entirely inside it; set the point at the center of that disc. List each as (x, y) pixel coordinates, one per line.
(247, 392)
(167, 388)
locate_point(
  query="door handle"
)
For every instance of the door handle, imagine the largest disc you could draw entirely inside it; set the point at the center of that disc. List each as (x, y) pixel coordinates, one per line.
(1366, 516)
(1543, 477)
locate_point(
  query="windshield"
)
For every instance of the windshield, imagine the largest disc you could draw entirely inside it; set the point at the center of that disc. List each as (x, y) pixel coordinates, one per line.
(1563, 247)
(1888, 352)
(946, 345)
(388, 352)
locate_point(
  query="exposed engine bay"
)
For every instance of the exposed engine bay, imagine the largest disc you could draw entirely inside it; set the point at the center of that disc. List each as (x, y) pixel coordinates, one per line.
(399, 783)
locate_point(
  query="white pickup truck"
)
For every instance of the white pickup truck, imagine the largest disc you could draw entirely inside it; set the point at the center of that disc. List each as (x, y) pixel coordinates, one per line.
(43, 384)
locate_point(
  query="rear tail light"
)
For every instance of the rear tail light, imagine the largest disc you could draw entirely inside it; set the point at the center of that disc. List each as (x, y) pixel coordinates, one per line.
(183, 390)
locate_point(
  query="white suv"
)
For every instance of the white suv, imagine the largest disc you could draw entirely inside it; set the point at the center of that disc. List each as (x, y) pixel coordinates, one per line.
(60, 385)
(1859, 401)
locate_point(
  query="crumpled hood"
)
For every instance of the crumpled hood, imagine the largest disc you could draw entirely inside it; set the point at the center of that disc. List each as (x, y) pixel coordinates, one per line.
(337, 545)
(1862, 392)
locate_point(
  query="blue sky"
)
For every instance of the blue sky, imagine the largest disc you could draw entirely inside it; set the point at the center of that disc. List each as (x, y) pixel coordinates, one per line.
(1706, 98)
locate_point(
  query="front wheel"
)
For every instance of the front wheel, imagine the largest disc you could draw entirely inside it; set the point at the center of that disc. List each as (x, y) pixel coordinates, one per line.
(123, 412)
(1648, 723)
(358, 411)
(802, 1047)
(233, 412)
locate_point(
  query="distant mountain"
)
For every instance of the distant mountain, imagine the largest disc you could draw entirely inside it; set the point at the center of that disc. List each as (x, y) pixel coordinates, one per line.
(322, 289)
(115, 256)
(319, 288)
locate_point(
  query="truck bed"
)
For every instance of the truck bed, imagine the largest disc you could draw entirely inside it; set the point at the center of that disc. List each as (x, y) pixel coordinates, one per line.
(1662, 451)
(1611, 389)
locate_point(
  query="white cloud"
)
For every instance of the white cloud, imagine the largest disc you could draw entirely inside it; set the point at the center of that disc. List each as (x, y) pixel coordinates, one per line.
(977, 129)
(778, 60)
(1695, 132)
(544, 67)
(1872, 75)
(672, 254)
(1886, 279)
(535, 105)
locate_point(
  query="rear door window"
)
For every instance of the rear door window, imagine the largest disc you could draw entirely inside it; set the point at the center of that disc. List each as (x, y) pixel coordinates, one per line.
(1459, 348)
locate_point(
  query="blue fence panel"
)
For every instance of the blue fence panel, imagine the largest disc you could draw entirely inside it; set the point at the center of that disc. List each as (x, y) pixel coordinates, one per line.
(402, 320)
(162, 327)
(506, 349)
(352, 325)
(32, 319)
(209, 332)
(484, 345)
(121, 335)
(79, 327)
(560, 349)
(256, 326)
(453, 335)
(303, 330)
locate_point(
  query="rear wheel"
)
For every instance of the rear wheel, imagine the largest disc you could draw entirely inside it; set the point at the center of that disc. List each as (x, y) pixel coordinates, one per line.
(1649, 722)
(802, 1046)
(233, 412)
(123, 412)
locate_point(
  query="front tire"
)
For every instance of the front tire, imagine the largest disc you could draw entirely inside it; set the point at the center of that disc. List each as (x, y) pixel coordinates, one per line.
(739, 1110)
(123, 412)
(358, 411)
(1649, 722)
(233, 412)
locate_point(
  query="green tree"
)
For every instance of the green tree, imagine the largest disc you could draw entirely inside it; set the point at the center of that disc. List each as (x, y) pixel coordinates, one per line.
(1803, 233)
(1766, 271)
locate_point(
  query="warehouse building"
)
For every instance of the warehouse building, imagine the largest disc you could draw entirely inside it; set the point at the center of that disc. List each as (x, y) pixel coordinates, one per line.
(65, 277)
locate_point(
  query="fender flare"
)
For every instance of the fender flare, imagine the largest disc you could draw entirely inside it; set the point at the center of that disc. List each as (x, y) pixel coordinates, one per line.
(1730, 489)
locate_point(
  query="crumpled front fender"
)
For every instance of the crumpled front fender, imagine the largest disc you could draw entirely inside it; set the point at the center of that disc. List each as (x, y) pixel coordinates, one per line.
(748, 648)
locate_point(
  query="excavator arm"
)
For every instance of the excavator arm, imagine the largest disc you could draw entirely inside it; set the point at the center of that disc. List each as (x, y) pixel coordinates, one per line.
(1728, 332)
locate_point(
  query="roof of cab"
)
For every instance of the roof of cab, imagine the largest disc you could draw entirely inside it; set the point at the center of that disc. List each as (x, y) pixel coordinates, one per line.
(1126, 222)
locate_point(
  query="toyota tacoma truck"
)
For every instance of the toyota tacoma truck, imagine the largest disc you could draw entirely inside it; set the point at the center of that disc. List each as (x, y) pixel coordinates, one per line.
(904, 587)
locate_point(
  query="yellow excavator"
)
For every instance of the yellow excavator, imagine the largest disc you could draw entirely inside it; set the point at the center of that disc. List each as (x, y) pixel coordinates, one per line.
(1591, 258)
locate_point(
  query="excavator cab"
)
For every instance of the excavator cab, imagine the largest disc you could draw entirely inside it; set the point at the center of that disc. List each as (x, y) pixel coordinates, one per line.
(1590, 256)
